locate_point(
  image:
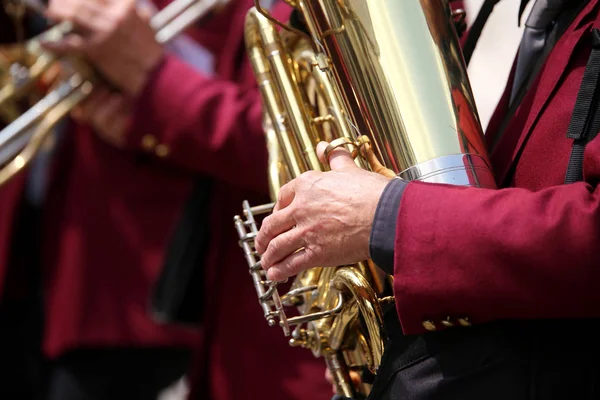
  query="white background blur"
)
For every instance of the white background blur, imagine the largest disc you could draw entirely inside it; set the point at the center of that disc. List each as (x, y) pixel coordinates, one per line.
(493, 57)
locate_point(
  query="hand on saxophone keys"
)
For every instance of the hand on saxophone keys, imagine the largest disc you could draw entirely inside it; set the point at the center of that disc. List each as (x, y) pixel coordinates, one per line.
(321, 218)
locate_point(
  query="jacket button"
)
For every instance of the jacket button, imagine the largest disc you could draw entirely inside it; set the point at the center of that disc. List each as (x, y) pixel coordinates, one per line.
(162, 150)
(149, 142)
(429, 326)
(448, 323)
(464, 321)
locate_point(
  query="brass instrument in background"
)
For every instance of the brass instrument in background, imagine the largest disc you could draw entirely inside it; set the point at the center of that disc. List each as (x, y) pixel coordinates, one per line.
(386, 78)
(24, 71)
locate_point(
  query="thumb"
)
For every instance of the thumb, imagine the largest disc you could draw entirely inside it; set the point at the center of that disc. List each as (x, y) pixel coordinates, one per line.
(146, 12)
(339, 158)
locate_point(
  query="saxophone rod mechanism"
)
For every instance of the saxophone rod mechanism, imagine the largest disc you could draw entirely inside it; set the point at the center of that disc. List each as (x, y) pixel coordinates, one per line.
(262, 209)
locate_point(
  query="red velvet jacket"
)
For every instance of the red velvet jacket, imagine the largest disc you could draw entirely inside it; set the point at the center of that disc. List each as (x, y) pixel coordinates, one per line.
(529, 250)
(11, 280)
(111, 212)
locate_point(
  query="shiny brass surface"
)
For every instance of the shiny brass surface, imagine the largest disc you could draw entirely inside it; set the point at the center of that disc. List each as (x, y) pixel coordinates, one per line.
(37, 89)
(354, 282)
(77, 90)
(339, 316)
(401, 70)
(385, 78)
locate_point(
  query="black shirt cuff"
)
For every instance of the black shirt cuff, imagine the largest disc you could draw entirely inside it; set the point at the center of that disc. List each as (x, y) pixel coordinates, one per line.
(383, 233)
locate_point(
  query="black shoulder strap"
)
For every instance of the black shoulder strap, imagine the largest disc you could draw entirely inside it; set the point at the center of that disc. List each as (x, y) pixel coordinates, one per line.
(474, 33)
(178, 294)
(585, 121)
(479, 23)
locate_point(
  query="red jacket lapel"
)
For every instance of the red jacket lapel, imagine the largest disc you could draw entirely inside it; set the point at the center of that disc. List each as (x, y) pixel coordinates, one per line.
(550, 75)
(495, 126)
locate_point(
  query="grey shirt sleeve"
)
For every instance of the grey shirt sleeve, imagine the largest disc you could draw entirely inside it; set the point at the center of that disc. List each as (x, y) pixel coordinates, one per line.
(383, 232)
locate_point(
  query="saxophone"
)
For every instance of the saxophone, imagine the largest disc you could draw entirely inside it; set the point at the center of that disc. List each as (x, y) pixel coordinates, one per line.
(387, 79)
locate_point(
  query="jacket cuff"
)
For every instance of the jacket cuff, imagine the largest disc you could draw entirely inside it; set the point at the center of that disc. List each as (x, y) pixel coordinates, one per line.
(157, 105)
(383, 232)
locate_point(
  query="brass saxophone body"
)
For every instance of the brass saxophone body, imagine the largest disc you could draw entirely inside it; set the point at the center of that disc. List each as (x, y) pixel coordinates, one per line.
(387, 79)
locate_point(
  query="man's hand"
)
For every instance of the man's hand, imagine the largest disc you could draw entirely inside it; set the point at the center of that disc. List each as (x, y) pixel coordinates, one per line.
(108, 113)
(321, 218)
(113, 35)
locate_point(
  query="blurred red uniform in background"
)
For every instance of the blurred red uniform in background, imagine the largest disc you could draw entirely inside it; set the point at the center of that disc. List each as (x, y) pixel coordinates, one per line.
(112, 196)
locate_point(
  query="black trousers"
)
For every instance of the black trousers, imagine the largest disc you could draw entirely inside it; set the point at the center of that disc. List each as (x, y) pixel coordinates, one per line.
(21, 319)
(21, 365)
(516, 360)
(115, 374)
(85, 374)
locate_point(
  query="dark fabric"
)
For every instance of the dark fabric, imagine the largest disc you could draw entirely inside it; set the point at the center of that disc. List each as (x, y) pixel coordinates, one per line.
(383, 232)
(297, 21)
(34, 25)
(537, 29)
(485, 12)
(522, 7)
(585, 121)
(21, 367)
(179, 292)
(477, 28)
(517, 360)
(116, 374)
(21, 315)
(561, 25)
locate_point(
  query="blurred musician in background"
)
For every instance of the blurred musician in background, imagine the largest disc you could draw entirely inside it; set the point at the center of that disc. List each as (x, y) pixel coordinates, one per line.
(495, 290)
(174, 123)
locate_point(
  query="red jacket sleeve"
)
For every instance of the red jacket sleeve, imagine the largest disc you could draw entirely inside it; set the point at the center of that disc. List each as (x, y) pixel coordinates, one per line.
(202, 124)
(208, 125)
(457, 4)
(497, 254)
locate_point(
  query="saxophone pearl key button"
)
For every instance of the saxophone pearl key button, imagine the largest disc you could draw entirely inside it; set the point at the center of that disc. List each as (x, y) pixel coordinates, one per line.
(464, 321)
(448, 322)
(429, 326)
